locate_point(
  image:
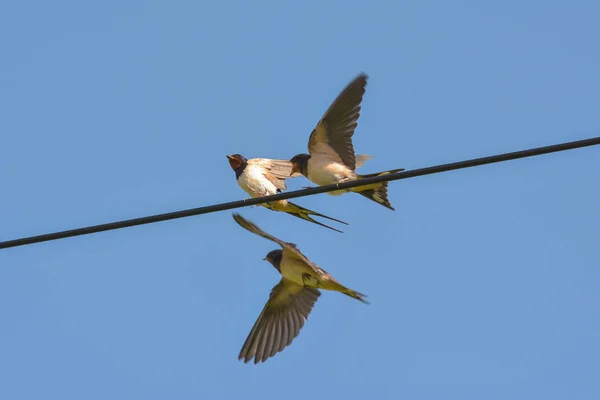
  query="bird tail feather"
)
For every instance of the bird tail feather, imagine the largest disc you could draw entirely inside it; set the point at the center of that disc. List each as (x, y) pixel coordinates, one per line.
(331, 284)
(376, 192)
(304, 213)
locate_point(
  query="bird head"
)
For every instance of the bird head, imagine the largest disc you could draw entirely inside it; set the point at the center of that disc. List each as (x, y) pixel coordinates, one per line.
(274, 257)
(236, 161)
(299, 164)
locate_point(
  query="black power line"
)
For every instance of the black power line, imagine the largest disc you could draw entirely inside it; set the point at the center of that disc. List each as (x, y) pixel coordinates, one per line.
(301, 193)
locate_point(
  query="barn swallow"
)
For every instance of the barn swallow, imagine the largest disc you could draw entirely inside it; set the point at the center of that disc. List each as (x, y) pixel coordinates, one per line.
(332, 159)
(261, 177)
(290, 301)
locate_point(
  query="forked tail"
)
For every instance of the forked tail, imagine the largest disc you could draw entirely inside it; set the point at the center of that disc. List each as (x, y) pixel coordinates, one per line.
(305, 213)
(356, 295)
(332, 284)
(328, 282)
(378, 192)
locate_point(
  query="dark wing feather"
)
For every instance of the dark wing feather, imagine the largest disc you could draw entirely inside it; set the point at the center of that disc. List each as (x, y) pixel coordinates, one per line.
(280, 321)
(250, 226)
(289, 249)
(333, 134)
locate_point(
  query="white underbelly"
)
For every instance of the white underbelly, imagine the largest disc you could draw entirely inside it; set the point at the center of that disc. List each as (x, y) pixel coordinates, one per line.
(253, 182)
(324, 172)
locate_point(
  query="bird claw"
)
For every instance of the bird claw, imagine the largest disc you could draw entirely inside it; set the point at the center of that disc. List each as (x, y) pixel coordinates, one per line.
(251, 205)
(305, 277)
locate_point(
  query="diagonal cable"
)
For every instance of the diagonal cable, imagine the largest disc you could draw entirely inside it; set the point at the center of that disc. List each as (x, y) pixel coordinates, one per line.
(302, 193)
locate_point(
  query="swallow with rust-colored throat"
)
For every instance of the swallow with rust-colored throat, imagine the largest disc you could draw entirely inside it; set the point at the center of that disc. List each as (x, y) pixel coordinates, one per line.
(332, 159)
(261, 177)
(290, 301)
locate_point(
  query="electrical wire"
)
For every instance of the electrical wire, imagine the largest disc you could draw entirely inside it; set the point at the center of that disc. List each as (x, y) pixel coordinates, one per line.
(300, 193)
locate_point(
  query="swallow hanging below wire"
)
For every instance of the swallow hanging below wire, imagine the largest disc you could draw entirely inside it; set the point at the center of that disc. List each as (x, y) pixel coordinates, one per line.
(261, 177)
(332, 159)
(290, 301)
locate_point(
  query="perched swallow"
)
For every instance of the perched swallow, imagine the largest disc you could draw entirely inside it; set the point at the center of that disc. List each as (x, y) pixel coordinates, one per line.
(290, 301)
(261, 177)
(332, 159)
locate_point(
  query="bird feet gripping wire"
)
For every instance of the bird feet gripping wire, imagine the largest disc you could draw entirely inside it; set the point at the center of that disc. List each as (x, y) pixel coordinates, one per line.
(251, 205)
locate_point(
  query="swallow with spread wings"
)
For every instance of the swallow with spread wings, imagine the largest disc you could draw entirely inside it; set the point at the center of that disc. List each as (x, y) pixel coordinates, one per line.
(332, 159)
(290, 301)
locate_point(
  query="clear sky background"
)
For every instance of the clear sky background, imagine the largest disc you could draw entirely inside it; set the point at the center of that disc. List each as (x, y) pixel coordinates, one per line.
(484, 283)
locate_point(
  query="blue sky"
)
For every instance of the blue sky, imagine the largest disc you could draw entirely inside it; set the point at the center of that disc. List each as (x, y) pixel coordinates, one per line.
(484, 283)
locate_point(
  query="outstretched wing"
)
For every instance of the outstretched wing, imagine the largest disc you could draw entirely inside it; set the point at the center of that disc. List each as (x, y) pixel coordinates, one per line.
(333, 134)
(250, 226)
(280, 321)
(289, 249)
(277, 171)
